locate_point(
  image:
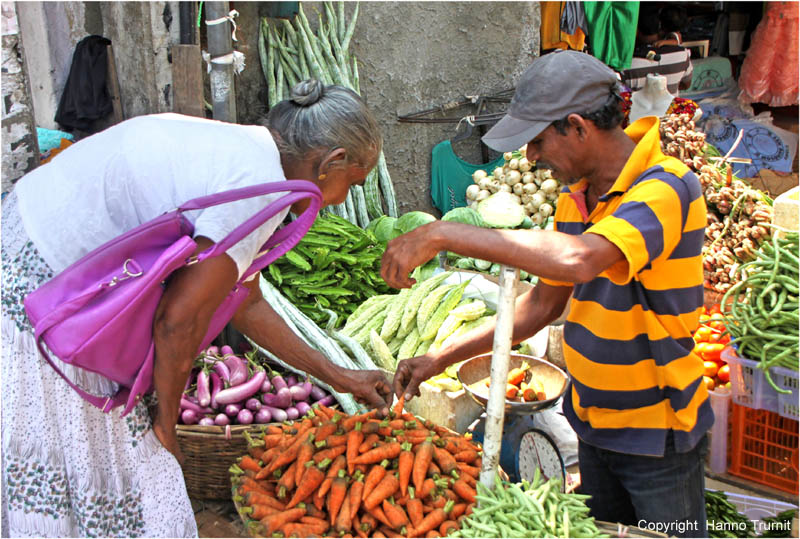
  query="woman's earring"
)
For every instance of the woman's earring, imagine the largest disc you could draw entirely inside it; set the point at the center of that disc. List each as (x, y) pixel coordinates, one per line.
(322, 177)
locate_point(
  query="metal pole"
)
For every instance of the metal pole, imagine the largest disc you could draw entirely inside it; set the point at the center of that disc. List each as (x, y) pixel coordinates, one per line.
(187, 12)
(501, 354)
(223, 94)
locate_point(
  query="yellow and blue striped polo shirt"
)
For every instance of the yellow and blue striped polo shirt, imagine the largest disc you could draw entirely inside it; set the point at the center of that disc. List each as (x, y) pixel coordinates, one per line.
(628, 336)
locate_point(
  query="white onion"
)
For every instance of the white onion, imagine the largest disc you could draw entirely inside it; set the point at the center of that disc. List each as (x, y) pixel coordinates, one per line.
(478, 174)
(517, 188)
(549, 186)
(529, 188)
(527, 177)
(472, 191)
(484, 183)
(482, 194)
(513, 164)
(507, 156)
(524, 165)
(538, 199)
(505, 187)
(537, 218)
(515, 198)
(498, 172)
(552, 196)
(545, 210)
(494, 186)
(513, 177)
(525, 198)
(473, 205)
(530, 208)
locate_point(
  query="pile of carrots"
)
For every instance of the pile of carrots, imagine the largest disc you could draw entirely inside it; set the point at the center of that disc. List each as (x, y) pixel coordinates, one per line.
(331, 474)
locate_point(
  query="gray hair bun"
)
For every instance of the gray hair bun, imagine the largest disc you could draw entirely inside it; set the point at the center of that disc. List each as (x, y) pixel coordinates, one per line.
(306, 93)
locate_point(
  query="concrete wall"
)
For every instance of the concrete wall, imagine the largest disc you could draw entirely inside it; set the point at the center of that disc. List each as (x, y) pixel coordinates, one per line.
(20, 149)
(413, 55)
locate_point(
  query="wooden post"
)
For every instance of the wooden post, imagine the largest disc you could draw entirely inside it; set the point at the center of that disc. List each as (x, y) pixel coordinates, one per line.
(112, 83)
(220, 47)
(187, 80)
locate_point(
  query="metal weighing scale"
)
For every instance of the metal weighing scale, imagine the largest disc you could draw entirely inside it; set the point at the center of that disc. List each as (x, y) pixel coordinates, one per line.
(524, 447)
(513, 443)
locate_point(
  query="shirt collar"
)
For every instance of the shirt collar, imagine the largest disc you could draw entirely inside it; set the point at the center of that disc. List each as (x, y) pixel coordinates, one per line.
(644, 132)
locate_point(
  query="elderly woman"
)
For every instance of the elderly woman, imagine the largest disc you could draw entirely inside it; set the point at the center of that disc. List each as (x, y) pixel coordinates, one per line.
(69, 469)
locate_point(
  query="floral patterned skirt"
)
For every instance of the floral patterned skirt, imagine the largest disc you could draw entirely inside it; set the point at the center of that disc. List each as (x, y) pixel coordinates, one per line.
(69, 470)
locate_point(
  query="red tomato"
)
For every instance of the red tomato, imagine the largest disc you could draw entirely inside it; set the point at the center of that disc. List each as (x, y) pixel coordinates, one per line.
(724, 373)
(704, 318)
(709, 382)
(715, 309)
(703, 334)
(719, 325)
(712, 351)
(711, 368)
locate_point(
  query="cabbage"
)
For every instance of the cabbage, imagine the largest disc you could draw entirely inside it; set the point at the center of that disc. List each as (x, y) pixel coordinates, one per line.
(464, 215)
(383, 228)
(411, 220)
(501, 211)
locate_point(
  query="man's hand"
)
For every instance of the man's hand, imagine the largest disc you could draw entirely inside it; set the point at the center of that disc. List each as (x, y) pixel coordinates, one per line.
(411, 373)
(406, 252)
(368, 387)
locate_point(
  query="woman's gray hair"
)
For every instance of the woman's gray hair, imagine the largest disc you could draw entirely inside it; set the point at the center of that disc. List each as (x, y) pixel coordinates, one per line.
(321, 118)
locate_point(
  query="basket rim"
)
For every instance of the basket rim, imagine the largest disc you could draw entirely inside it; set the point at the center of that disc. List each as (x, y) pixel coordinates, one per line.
(216, 430)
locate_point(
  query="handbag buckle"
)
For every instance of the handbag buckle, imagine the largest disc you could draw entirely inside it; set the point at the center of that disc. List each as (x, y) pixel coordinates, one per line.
(129, 269)
(192, 260)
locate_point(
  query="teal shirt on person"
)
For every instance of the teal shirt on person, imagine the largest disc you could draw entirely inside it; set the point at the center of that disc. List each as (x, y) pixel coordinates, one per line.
(451, 175)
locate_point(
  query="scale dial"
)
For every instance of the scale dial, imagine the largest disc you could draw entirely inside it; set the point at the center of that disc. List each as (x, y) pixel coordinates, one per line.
(537, 450)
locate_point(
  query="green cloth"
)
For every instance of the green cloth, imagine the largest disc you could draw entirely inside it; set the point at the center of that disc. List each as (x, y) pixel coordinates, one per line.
(612, 31)
(451, 175)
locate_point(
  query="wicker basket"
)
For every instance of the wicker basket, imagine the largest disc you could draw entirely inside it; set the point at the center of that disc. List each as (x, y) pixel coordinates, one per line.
(208, 456)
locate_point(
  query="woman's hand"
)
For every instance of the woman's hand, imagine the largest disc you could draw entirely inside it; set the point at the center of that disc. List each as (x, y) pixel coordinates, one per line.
(368, 387)
(411, 373)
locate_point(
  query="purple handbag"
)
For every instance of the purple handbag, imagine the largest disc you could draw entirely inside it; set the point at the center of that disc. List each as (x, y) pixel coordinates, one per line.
(98, 313)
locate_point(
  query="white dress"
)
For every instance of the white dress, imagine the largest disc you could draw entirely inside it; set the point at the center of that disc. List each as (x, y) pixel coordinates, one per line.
(68, 470)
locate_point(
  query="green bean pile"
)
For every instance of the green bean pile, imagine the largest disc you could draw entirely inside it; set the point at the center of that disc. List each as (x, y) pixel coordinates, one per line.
(724, 518)
(762, 309)
(536, 509)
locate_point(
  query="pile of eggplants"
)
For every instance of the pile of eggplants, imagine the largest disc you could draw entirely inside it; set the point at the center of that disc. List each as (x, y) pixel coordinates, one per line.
(230, 389)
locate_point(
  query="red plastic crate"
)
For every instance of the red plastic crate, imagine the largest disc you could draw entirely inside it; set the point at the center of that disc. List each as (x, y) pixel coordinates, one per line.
(764, 447)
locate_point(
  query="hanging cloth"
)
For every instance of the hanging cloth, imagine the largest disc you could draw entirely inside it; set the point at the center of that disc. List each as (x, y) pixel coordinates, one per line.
(451, 175)
(85, 97)
(612, 31)
(551, 32)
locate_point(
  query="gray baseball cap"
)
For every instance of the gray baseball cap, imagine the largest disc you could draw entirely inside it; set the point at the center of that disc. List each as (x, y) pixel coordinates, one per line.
(553, 87)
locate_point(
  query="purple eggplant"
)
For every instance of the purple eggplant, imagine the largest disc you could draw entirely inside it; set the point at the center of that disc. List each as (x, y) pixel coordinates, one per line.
(232, 409)
(187, 404)
(244, 417)
(243, 391)
(303, 407)
(327, 401)
(291, 380)
(212, 351)
(226, 350)
(222, 370)
(278, 415)
(283, 398)
(292, 413)
(238, 370)
(222, 420)
(263, 416)
(266, 386)
(189, 417)
(252, 404)
(300, 392)
(317, 393)
(216, 387)
(206, 422)
(203, 388)
(278, 382)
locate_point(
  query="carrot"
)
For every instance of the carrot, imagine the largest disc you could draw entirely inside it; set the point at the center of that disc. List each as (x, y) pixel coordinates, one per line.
(304, 454)
(334, 440)
(301, 529)
(432, 534)
(464, 468)
(458, 510)
(325, 430)
(336, 496)
(516, 376)
(428, 486)
(273, 440)
(264, 499)
(330, 413)
(355, 493)
(284, 457)
(387, 451)
(377, 513)
(357, 526)
(272, 523)
(433, 469)
(471, 481)
(388, 486)
(397, 517)
(374, 477)
(354, 439)
(349, 423)
(314, 520)
(468, 456)
(256, 451)
(258, 511)
(369, 442)
(388, 532)
(338, 464)
(272, 429)
(422, 460)
(318, 501)
(312, 511)
(246, 462)
(343, 522)
(329, 454)
(433, 520)
(311, 480)
(398, 407)
(248, 484)
(377, 534)
(368, 522)
(405, 463)
(445, 460)
(286, 483)
(465, 491)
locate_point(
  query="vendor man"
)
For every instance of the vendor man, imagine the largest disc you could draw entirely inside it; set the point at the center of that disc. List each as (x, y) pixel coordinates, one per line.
(629, 231)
